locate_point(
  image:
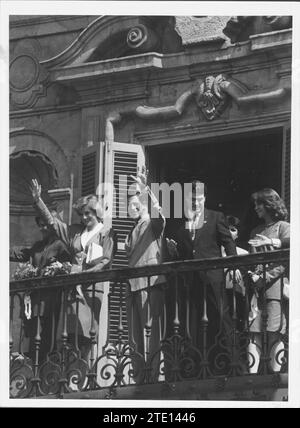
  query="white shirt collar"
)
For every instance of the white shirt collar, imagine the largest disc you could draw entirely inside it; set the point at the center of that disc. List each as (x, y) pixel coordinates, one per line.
(88, 234)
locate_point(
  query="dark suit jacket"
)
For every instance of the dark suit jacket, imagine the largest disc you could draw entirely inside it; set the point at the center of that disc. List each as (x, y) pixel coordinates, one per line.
(209, 238)
(42, 254)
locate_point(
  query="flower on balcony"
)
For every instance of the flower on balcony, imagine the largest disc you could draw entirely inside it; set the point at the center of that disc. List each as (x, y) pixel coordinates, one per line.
(25, 271)
(57, 268)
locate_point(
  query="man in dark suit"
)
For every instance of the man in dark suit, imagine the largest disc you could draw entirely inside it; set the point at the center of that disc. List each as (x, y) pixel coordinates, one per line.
(201, 237)
(45, 305)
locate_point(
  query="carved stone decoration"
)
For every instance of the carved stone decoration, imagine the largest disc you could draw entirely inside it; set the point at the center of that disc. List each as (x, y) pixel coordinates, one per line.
(278, 22)
(210, 97)
(142, 38)
(136, 36)
(240, 28)
(27, 79)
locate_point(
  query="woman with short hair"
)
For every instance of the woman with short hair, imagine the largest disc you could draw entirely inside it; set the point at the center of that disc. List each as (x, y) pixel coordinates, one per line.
(92, 247)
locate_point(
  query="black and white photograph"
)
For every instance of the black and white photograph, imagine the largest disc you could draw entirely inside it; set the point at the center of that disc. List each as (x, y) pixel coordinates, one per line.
(151, 176)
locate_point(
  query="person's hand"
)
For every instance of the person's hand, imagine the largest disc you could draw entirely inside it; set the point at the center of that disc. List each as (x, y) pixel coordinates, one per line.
(76, 269)
(257, 280)
(172, 247)
(141, 180)
(36, 189)
(259, 241)
(254, 276)
(235, 275)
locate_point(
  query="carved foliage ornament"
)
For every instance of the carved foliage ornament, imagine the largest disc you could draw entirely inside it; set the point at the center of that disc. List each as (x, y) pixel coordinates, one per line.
(210, 97)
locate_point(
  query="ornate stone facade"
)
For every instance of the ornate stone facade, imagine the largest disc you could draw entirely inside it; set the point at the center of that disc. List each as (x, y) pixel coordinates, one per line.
(147, 80)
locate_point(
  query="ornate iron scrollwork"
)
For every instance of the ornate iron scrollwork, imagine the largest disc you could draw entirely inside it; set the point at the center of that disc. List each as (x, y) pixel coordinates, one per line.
(119, 365)
(21, 373)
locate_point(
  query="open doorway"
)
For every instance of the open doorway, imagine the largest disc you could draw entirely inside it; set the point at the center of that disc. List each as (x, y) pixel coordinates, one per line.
(233, 167)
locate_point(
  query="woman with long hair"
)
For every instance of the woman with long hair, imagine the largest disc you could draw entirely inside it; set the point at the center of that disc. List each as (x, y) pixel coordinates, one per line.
(273, 233)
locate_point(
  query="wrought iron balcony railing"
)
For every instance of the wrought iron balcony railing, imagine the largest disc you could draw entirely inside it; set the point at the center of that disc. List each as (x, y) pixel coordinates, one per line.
(180, 327)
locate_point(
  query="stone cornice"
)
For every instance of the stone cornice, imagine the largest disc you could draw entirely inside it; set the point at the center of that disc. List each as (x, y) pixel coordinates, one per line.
(235, 68)
(15, 114)
(102, 29)
(105, 95)
(107, 67)
(271, 40)
(261, 43)
(192, 131)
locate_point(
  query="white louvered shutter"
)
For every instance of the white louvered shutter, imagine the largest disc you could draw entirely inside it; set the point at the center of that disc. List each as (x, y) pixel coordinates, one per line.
(122, 160)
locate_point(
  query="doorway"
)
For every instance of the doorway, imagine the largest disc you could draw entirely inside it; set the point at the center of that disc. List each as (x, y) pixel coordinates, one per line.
(233, 167)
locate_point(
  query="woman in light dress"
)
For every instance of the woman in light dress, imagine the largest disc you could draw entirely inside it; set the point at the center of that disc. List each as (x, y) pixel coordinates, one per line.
(273, 233)
(92, 247)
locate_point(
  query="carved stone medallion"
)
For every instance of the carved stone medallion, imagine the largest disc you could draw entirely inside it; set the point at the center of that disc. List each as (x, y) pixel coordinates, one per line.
(27, 79)
(210, 97)
(24, 70)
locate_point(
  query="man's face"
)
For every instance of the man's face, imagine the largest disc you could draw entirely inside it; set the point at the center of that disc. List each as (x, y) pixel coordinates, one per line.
(135, 208)
(234, 232)
(194, 204)
(44, 229)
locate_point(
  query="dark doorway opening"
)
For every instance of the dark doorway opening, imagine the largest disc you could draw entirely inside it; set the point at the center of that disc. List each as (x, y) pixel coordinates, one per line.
(233, 167)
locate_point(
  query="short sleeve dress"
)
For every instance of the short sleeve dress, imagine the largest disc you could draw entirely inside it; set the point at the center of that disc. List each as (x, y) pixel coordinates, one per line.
(276, 321)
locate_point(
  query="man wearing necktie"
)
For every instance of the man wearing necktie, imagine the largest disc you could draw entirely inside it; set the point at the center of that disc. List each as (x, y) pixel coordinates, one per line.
(202, 237)
(145, 299)
(193, 224)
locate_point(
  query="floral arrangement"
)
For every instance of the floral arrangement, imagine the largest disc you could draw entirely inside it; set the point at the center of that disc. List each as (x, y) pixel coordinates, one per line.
(57, 268)
(26, 270)
(259, 269)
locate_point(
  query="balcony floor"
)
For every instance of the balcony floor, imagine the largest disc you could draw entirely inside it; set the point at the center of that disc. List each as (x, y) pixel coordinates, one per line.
(243, 388)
